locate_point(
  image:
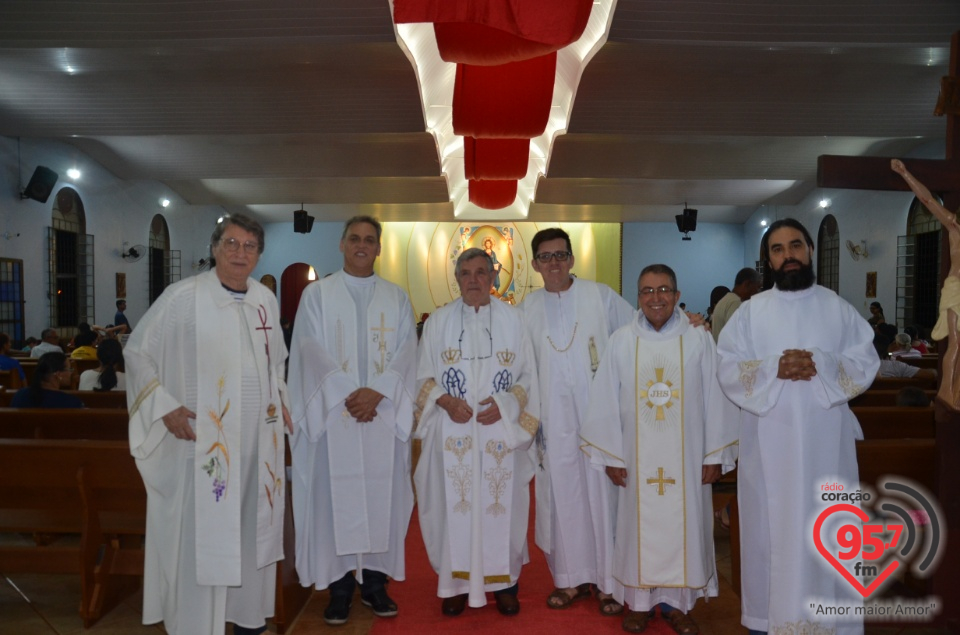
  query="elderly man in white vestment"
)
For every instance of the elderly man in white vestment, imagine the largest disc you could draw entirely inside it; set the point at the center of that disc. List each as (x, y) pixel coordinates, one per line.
(660, 427)
(569, 322)
(478, 415)
(792, 358)
(204, 373)
(352, 378)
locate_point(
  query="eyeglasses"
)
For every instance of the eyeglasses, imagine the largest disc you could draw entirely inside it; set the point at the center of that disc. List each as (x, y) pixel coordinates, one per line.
(232, 245)
(560, 256)
(664, 290)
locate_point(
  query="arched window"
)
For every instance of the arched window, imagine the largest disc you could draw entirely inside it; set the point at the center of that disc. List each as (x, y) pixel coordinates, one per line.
(918, 269)
(70, 263)
(164, 262)
(828, 254)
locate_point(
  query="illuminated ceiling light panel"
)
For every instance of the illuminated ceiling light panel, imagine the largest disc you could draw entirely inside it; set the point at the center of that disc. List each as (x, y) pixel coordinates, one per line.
(436, 77)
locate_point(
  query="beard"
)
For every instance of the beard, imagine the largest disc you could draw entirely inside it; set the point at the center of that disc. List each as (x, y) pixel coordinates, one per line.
(802, 278)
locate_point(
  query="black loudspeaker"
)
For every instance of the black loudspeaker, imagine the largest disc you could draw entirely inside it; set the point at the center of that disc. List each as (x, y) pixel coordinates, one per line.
(40, 185)
(302, 222)
(687, 222)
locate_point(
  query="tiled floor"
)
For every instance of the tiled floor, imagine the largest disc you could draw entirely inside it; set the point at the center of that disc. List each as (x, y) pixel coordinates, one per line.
(47, 605)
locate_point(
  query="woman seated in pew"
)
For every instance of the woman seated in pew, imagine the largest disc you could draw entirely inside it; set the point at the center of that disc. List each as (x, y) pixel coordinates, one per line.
(109, 375)
(53, 373)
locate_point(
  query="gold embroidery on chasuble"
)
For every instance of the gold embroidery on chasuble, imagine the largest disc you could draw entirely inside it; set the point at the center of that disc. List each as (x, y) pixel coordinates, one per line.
(748, 375)
(422, 397)
(380, 339)
(498, 477)
(528, 422)
(506, 357)
(850, 388)
(341, 349)
(146, 392)
(460, 475)
(450, 356)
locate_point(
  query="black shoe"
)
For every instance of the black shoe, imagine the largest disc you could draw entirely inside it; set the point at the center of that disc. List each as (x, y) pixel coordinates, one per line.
(338, 611)
(380, 602)
(454, 606)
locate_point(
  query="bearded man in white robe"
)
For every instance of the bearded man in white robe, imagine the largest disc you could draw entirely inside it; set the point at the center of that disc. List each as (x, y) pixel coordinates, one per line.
(792, 358)
(212, 345)
(352, 378)
(660, 427)
(478, 414)
(569, 322)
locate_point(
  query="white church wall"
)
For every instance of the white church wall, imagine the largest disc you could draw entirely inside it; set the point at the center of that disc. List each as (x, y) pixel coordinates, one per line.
(115, 210)
(712, 258)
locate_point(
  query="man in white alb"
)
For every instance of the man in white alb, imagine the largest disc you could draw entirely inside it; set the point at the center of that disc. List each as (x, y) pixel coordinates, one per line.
(478, 414)
(569, 322)
(352, 377)
(792, 358)
(662, 430)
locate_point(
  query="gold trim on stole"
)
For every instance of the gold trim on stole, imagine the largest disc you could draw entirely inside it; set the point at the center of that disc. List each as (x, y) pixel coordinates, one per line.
(146, 392)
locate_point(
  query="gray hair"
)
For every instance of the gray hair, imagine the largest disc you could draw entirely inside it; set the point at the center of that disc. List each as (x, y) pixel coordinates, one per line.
(243, 222)
(904, 340)
(370, 220)
(658, 268)
(470, 254)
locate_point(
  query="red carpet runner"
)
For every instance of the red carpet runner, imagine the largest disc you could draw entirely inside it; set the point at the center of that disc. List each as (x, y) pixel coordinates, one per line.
(420, 606)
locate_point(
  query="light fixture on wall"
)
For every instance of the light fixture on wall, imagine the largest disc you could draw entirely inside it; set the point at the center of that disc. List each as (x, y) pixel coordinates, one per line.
(164, 202)
(73, 173)
(312, 274)
(858, 251)
(824, 203)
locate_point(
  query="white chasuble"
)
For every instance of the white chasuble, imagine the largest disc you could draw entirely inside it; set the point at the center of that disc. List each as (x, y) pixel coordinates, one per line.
(195, 334)
(656, 409)
(472, 479)
(349, 475)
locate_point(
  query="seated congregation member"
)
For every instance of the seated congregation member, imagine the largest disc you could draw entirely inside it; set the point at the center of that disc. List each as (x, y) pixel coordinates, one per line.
(52, 374)
(660, 427)
(7, 362)
(207, 414)
(478, 404)
(902, 347)
(50, 343)
(85, 345)
(108, 376)
(897, 369)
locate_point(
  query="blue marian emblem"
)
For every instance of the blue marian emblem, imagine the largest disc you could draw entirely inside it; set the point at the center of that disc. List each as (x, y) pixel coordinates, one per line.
(454, 382)
(502, 381)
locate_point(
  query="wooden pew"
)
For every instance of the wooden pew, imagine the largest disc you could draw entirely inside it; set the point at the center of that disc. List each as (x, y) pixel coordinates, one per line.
(882, 398)
(45, 423)
(921, 362)
(74, 486)
(896, 383)
(90, 398)
(10, 379)
(892, 422)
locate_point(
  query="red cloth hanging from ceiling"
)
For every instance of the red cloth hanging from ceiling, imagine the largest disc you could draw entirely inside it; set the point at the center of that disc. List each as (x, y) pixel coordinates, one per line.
(506, 101)
(553, 22)
(492, 194)
(495, 158)
(481, 45)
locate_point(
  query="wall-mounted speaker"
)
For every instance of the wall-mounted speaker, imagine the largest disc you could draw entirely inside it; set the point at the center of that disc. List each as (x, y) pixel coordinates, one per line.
(302, 222)
(40, 185)
(687, 221)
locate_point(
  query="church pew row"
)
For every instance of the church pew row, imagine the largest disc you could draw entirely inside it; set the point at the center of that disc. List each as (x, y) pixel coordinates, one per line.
(54, 501)
(921, 362)
(893, 422)
(105, 424)
(882, 398)
(9, 379)
(896, 383)
(90, 398)
(85, 487)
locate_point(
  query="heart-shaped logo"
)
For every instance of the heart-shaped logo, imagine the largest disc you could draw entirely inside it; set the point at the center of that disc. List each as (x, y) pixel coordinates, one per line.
(859, 513)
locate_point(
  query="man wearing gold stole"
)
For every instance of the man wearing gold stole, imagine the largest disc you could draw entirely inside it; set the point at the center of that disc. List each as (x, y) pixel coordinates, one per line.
(662, 429)
(478, 414)
(352, 382)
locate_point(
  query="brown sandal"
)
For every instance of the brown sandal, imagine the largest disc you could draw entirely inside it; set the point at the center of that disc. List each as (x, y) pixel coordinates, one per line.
(561, 599)
(636, 621)
(610, 607)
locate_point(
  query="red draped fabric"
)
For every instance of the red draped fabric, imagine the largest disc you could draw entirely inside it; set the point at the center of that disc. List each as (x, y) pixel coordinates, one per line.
(505, 51)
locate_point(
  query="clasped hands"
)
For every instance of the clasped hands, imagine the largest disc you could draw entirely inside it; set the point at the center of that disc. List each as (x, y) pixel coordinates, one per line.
(460, 411)
(362, 404)
(797, 365)
(618, 475)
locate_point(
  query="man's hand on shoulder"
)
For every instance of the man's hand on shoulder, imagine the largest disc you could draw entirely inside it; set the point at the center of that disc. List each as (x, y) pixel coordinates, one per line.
(797, 365)
(697, 320)
(362, 404)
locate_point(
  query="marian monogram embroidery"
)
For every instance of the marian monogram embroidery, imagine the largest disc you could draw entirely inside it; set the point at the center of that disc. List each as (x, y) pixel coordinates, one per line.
(748, 375)
(460, 474)
(502, 381)
(454, 382)
(498, 477)
(849, 387)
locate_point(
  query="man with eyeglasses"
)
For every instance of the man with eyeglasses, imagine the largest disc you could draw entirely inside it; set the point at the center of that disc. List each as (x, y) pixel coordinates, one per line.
(211, 346)
(478, 412)
(352, 382)
(791, 358)
(569, 322)
(662, 430)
